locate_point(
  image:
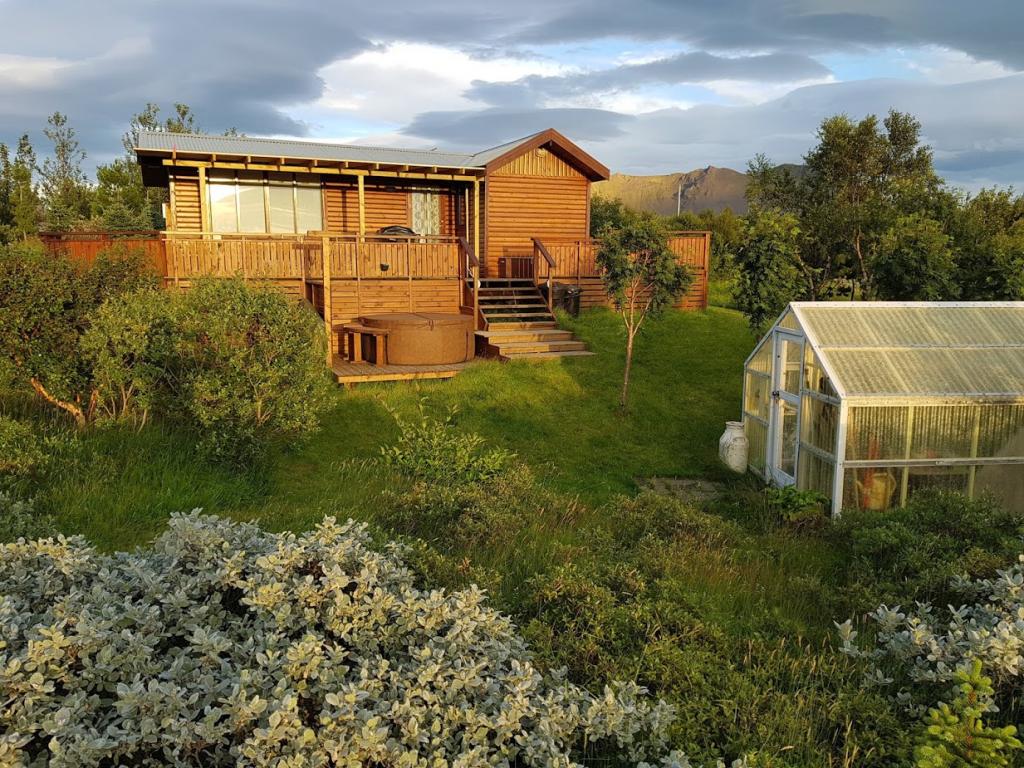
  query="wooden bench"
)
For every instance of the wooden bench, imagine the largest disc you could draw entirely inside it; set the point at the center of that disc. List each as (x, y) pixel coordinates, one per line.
(353, 333)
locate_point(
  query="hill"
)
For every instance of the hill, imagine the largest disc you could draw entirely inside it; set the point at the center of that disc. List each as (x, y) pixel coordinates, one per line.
(711, 187)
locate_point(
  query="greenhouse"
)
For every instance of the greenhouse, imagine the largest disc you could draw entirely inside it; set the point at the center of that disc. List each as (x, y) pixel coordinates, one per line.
(869, 402)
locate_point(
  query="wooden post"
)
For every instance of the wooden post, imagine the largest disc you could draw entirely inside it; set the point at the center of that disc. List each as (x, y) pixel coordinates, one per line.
(476, 221)
(362, 205)
(408, 268)
(204, 207)
(328, 300)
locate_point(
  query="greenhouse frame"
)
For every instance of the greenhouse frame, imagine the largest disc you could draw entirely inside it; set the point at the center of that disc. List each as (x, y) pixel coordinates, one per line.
(869, 402)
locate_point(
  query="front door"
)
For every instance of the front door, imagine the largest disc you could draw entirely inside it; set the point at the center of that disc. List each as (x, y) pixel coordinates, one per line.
(785, 415)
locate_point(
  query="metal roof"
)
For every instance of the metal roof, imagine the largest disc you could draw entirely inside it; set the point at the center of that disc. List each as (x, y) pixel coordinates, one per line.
(918, 349)
(244, 146)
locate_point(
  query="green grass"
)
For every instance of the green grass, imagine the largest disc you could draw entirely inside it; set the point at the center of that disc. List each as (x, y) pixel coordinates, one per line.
(560, 416)
(736, 626)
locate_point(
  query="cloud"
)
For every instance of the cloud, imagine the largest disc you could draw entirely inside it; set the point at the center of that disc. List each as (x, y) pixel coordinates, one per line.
(973, 127)
(647, 84)
(689, 67)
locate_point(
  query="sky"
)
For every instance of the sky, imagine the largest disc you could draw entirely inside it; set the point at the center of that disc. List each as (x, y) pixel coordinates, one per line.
(646, 86)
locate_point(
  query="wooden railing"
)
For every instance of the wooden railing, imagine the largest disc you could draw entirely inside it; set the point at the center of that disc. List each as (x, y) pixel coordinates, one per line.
(83, 247)
(274, 257)
(540, 252)
(471, 278)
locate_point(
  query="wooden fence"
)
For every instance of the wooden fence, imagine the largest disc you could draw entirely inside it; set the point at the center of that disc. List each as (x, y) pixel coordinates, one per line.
(82, 247)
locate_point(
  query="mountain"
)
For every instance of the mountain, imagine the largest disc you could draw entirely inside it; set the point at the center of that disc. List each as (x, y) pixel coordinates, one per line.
(710, 187)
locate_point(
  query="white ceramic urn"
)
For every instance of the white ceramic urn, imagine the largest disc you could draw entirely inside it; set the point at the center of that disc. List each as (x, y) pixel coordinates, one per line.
(733, 447)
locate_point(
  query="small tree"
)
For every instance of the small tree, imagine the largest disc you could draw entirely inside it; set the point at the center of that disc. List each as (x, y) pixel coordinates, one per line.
(771, 272)
(641, 276)
(956, 735)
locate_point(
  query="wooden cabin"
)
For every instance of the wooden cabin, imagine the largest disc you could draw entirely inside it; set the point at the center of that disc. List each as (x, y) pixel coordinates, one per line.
(359, 229)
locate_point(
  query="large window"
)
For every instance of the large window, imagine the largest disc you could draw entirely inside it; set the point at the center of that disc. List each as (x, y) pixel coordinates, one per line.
(258, 203)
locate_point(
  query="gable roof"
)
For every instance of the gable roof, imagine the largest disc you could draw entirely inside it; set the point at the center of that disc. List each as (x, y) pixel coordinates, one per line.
(918, 349)
(188, 144)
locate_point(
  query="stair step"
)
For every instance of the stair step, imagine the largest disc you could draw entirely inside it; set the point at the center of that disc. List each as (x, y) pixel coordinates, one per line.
(540, 334)
(518, 316)
(539, 346)
(531, 325)
(506, 291)
(544, 355)
(489, 282)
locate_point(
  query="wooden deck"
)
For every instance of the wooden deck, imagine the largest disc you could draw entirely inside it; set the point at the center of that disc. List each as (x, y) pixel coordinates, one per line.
(358, 373)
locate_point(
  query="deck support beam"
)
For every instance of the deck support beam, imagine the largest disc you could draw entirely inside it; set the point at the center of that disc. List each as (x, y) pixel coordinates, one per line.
(204, 213)
(476, 220)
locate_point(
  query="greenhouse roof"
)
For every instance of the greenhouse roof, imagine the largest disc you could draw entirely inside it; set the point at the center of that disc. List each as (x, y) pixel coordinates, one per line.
(918, 349)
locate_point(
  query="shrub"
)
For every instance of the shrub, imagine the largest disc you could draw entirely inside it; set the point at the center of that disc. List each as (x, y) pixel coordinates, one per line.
(249, 364)
(20, 452)
(224, 645)
(795, 508)
(19, 520)
(956, 734)
(436, 452)
(129, 346)
(912, 554)
(45, 306)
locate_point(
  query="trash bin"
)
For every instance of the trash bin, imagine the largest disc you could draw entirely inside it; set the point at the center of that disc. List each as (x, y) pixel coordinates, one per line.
(565, 297)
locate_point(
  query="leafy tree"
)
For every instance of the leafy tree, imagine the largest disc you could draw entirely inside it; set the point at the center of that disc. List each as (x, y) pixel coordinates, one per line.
(988, 235)
(770, 270)
(606, 212)
(956, 735)
(641, 276)
(65, 188)
(858, 179)
(914, 261)
(24, 203)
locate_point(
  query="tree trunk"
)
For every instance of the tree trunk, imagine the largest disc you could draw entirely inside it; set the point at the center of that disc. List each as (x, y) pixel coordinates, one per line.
(64, 405)
(624, 399)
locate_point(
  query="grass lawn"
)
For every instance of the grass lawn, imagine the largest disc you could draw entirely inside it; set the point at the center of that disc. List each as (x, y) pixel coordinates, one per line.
(560, 416)
(730, 619)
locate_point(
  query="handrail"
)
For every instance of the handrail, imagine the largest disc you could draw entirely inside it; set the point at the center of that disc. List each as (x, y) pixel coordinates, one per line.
(539, 246)
(472, 263)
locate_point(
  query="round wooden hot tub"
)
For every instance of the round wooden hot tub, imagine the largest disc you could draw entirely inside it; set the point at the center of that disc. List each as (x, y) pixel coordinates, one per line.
(426, 338)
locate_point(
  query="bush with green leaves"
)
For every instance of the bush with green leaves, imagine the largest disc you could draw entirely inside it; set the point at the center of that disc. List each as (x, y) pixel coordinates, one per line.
(226, 645)
(770, 271)
(913, 554)
(20, 520)
(129, 346)
(248, 367)
(46, 301)
(917, 653)
(20, 451)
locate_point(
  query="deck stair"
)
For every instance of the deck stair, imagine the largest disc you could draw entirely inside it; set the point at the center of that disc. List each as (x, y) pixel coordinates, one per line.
(518, 324)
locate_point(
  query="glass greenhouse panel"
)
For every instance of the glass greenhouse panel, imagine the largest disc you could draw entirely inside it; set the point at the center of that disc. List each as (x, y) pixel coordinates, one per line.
(757, 437)
(761, 361)
(815, 378)
(789, 321)
(1005, 482)
(1001, 431)
(871, 488)
(819, 423)
(815, 473)
(874, 433)
(791, 356)
(758, 395)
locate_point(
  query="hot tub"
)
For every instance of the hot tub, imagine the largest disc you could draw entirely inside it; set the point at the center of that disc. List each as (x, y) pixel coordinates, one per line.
(426, 338)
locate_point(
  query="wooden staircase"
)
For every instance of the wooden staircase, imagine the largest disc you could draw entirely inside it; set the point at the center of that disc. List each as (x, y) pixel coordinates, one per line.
(518, 324)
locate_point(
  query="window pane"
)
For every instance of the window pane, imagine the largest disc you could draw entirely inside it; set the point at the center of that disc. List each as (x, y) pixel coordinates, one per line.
(223, 216)
(251, 214)
(871, 488)
(877, 433)
(282, 209)
(758, 393)
(757, 436)
(815, 474)
(819, 423)
(309, 212)
(791, 354)
(787, 448)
